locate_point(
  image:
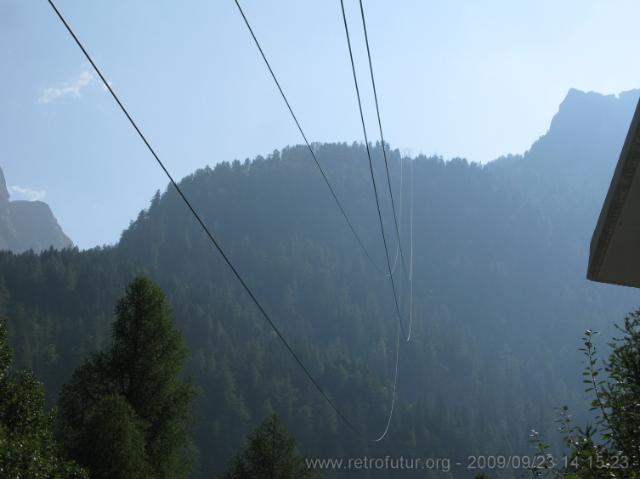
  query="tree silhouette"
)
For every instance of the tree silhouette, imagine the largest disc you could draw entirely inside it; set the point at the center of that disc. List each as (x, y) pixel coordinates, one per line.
(270, 453)
(132, 392)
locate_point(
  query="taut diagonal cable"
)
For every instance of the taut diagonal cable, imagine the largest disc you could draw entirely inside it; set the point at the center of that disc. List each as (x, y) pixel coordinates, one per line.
(304, 137)
(207, 231)
(364, 249)
(373, 178)
(384, 149)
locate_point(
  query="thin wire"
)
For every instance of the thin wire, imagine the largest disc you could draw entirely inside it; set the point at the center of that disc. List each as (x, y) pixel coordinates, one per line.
(284, 97)
(373, 178)
(395, 260)
(395, 385)
(411, 256)
(304, 137)
(206, 229)
(384, 150)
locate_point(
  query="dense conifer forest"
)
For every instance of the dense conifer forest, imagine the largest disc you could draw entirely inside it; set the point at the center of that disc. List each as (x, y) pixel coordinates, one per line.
(500, 300)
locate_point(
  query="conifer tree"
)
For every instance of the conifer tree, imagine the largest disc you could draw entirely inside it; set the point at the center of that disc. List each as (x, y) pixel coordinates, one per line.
(270, 453)
(27, 445)
(126, 412)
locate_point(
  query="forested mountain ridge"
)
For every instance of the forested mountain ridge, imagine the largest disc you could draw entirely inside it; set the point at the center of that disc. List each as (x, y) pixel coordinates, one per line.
(28, 225)
(500, 294)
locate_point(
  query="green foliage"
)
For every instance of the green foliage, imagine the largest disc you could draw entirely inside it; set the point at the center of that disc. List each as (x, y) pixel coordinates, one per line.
(621, 395)
(5, 350)
(132, 392)
(270, 452)
(498, 295)
(112, 442)
(27, 446)
(610, 446)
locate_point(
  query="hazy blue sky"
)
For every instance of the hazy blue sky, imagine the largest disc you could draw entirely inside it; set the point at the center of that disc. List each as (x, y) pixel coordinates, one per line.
(455, 78)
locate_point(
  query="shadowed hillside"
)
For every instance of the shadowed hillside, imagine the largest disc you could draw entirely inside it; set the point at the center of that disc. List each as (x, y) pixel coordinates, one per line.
(500, 295)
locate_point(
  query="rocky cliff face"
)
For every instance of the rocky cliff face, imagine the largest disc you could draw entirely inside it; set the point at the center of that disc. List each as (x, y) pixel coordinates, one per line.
(581, 148)
(26, 225)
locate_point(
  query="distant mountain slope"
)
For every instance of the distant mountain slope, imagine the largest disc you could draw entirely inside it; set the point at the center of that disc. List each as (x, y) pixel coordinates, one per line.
(582, 144)
(566, 174)
(500, 295)
(26, 225)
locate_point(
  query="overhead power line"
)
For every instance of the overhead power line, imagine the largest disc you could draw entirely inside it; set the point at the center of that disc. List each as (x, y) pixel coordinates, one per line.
(206, 230)
(384, 149)
(304, 137)
(335, 197)
(397, 253)
(373, 178)
(394, 393)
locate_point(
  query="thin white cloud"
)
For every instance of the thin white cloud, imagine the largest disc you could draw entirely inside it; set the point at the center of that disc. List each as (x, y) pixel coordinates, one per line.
(71, 88)
(26, 193)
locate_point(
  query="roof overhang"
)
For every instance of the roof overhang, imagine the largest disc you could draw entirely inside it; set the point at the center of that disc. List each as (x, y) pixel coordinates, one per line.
(615, 246)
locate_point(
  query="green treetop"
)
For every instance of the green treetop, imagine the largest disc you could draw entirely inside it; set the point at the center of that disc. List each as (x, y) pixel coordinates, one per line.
(27, 445)
(270, 452)
(126, 412)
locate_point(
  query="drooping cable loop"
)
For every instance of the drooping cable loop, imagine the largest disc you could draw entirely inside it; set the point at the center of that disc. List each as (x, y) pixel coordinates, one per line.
(411, 201)
(213, 240)
(206, 230)
(289, 107)
(394, 388)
